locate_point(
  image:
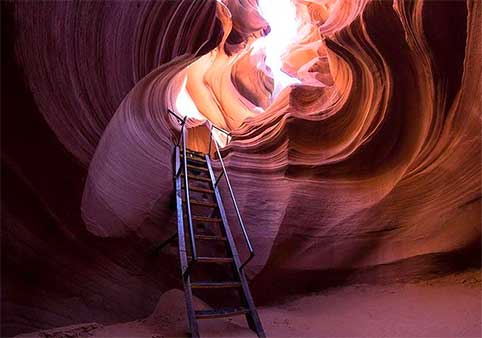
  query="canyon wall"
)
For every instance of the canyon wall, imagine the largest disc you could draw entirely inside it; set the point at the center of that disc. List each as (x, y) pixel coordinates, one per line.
(368, 169)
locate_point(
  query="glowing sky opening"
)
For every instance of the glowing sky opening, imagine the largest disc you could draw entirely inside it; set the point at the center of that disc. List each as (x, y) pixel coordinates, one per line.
(185, 105)
(281, 16)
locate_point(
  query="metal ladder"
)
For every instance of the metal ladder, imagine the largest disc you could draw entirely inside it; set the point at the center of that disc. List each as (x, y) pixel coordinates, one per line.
(210, 263)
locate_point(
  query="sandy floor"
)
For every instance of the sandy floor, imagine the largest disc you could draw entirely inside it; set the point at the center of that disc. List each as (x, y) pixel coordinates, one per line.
(445, 307)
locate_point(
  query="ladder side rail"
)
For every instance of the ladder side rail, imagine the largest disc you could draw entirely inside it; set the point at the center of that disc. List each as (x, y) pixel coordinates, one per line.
(254, 320)
(233, 199)
(179, 119)
(188, 200)
(210, 140)
(186, 281)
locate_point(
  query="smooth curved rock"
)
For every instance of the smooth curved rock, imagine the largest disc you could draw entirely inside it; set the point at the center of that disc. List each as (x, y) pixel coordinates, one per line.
(371, 163)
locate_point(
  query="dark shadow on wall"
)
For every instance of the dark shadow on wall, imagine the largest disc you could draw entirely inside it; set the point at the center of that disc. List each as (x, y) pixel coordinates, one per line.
(53, 272)
(418, 268)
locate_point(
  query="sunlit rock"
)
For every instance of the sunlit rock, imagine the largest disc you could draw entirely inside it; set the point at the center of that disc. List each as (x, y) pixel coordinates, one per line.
(356, 146)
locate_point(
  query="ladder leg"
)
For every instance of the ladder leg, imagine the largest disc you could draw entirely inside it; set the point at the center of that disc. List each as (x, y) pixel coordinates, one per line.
(193, 326)
(255, 327)
(250, 321)
(186, 279)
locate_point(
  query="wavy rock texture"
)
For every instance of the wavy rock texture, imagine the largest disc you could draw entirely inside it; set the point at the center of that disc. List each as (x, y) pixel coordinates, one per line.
(367, 169)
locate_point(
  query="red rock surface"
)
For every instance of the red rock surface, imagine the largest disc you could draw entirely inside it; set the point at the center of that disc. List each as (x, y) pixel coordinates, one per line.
(443, 307)
(369, 169)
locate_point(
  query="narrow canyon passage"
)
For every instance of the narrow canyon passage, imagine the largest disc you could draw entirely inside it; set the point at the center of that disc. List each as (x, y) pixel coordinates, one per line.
(348, 135)
(443, 307)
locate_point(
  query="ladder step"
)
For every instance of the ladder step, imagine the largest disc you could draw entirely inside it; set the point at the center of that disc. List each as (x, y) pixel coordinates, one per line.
(191, 188)
(219, 313)
(215, 285)
(198, 178)
(202, 203)
(195, 159)
(206, 219)
(195, 167)
(213, 259)
(194, 152)
(210, 238)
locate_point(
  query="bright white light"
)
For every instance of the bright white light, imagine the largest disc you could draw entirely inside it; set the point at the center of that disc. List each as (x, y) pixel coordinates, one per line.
(185, 105)
(281, 16)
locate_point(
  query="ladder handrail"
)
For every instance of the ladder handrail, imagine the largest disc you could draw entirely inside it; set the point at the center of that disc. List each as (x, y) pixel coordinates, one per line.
(180, 119)
(221, 129)
(188, 200)
(228, 182)
(182, 122)
(224, 173)
(183, 138)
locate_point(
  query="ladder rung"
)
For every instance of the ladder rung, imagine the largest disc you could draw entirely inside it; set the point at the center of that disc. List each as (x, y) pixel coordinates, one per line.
(191, 188)
(195, 167)
(189, 151)
(213, 259)
(202, 203)
(210, 238)
(194, 159)
(219, 313)
(198, 178)
(215, 285)
(206, 219)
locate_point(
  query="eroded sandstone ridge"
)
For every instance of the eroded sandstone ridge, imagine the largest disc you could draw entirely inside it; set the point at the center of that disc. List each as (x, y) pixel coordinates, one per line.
(371, 160)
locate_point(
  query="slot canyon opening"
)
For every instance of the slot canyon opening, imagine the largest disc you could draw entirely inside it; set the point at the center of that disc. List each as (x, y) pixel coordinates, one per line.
(286, 50)
(344, 200)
